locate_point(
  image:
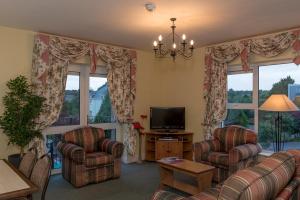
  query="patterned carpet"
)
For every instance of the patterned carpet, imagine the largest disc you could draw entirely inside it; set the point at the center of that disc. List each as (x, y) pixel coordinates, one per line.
(138, 182)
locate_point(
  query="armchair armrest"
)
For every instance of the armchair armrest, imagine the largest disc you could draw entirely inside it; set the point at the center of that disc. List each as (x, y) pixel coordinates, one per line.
(165, 195)
(72, 151)
(202, 149)
(243, 152)
(111, 147)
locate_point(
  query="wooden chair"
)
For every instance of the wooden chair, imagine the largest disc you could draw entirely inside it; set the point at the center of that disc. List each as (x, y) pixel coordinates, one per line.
(28, 161)
(41, 174)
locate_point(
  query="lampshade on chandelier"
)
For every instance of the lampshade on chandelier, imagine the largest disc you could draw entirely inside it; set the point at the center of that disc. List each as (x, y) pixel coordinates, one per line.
(173, 46)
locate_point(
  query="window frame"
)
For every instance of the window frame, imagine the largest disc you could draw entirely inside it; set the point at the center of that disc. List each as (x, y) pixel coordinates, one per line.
(84, 73)
(236, 69)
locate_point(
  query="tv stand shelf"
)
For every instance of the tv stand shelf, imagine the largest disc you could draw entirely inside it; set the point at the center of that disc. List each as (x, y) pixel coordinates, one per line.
(166, 144)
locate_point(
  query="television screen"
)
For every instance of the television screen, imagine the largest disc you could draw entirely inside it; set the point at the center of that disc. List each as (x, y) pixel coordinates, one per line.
(171, 118)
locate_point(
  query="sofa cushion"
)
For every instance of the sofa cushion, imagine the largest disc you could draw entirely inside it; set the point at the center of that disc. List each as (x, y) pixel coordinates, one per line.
(264, 181)
(218, 158)
(232, 136)
(86, 137)
(98, 158)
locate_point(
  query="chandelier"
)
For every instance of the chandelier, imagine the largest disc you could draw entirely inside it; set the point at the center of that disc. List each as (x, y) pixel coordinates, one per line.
(172, 46)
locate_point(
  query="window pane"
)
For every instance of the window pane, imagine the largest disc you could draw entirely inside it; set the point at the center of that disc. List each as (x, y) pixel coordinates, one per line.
(279, 79)
(240, 117)
(51, 143)
(240, 88)
(70, 112)
(110, 134)
(100, 110)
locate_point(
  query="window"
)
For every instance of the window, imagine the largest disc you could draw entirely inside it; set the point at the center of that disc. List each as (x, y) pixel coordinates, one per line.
(247, 91)
(86, 102)
(100, 110)
(241, 99)
(70, 112)
(240, 88)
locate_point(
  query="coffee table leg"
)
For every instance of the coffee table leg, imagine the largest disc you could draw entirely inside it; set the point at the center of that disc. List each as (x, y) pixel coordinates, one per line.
(204, 180)
(166, 177)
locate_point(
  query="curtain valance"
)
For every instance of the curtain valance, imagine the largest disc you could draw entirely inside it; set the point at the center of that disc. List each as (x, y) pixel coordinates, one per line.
(217, 58)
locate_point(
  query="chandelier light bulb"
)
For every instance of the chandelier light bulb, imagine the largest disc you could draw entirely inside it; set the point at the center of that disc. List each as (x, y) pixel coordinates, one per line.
(160, 38)
(155, 43)
(192, 42)
(183, 37)
(174, 46)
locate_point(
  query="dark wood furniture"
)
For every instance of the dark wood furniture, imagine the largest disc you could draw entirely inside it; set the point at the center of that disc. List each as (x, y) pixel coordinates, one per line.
(162, 144)
(11, 176)
(201, 172)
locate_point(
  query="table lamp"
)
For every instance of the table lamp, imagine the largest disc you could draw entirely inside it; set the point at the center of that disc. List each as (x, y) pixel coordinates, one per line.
(278, 103)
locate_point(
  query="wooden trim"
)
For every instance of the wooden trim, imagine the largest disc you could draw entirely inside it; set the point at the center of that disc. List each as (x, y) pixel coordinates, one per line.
(19, 193)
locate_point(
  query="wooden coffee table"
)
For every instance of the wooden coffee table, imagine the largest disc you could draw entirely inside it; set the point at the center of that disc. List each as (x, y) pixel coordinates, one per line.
(203, 174)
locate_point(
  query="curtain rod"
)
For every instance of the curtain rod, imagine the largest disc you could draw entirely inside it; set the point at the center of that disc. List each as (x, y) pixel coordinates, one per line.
(81, 40)
(253, 36)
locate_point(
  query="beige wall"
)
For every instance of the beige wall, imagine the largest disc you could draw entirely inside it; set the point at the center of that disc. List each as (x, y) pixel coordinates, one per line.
(162, 82)
(15, 59)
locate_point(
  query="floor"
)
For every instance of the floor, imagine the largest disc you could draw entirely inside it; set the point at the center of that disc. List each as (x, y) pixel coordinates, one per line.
(138, 182)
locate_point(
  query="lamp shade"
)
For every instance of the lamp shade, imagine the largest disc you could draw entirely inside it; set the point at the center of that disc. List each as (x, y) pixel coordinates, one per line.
(278, 103)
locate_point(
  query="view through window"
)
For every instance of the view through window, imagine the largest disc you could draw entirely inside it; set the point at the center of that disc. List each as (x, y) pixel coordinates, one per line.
(100, 110)
(247, 91)
(70, 112)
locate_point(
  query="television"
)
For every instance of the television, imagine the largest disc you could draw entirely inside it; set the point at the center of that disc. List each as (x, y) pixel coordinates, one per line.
(167, 119)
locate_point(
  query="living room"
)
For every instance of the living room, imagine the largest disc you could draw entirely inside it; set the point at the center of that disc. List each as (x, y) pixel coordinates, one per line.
(34, 38)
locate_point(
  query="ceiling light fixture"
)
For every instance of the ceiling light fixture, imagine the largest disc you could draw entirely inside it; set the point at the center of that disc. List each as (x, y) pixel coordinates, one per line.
(150, 6)
(171, 46)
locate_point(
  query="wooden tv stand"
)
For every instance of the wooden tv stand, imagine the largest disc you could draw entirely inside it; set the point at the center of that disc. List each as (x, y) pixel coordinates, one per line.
(164, 144)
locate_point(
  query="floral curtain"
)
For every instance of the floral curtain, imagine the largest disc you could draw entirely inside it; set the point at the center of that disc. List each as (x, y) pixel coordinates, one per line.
(216, 62)
(51, 57)
(121, 65)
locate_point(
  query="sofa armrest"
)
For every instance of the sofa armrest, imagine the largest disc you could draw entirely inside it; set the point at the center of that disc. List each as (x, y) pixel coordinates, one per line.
(111, 147)
(243, 152)
(72, 151)
(202, 149)
(165, 195)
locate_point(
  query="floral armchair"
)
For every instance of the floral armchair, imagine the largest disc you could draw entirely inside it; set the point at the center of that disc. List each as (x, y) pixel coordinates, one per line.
(233, 148)
(87, 157)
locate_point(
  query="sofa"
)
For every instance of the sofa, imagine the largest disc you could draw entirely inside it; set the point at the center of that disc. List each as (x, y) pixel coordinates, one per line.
(276, 177)
(232, 148)
(87, 157)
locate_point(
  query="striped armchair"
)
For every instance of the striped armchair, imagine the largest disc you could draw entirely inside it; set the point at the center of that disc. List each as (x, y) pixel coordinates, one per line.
(87, 157)
(233, 148)
(276, 177)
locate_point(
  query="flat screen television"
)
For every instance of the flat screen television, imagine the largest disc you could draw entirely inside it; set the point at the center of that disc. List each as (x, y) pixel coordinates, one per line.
(167, 118)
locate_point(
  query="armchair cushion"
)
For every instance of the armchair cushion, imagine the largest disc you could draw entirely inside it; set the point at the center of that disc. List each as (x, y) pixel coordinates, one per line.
(72, 151)
(202, 149)
(218, 158)
(98, 158)
(111, 147)
(243, 152)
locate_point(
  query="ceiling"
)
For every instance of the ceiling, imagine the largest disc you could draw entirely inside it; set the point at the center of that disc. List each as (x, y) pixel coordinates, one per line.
(127, 23)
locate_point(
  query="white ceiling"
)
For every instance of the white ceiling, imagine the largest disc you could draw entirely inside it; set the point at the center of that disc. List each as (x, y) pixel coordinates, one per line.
(127, 23)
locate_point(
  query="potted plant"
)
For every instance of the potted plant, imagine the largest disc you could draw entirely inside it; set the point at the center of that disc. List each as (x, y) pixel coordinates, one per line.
(21, 109)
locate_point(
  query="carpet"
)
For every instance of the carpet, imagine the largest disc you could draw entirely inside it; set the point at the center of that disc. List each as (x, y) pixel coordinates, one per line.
(137, 182)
